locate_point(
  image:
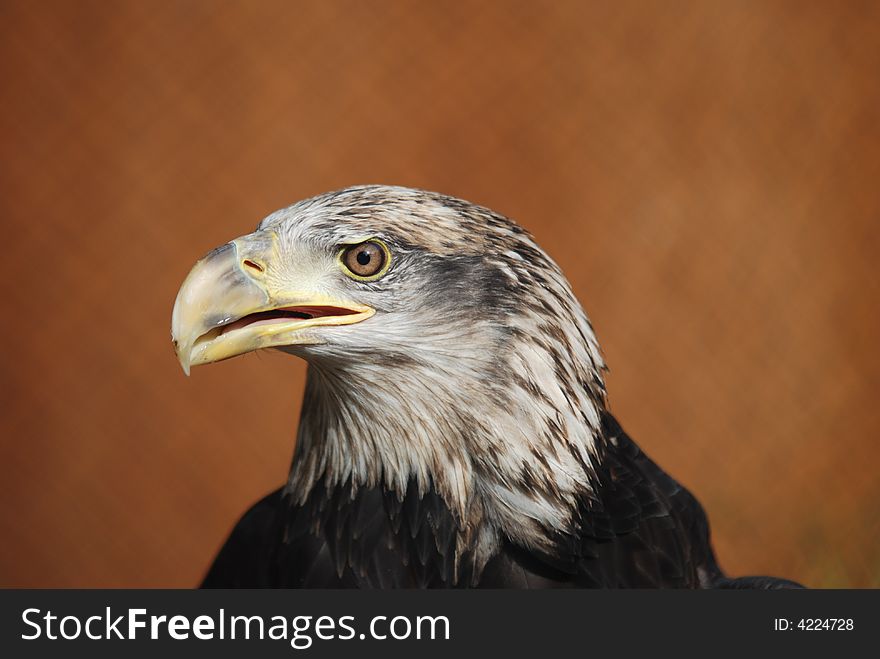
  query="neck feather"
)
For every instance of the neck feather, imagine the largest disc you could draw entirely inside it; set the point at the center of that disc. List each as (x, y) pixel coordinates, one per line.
(506, 437)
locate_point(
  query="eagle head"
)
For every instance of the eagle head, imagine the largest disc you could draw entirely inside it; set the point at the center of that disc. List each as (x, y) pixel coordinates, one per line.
(445, 349)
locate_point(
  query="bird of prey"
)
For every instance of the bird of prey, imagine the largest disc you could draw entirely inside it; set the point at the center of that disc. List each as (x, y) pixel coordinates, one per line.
(454, 430)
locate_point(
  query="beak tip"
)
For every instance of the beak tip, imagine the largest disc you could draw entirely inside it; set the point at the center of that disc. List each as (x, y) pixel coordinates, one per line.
(182, 355)
(184, 358)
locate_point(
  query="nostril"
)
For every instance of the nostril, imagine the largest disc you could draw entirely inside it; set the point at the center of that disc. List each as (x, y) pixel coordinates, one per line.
(252, 265)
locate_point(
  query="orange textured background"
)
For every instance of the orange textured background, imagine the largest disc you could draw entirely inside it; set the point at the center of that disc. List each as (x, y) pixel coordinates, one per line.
(707, 174)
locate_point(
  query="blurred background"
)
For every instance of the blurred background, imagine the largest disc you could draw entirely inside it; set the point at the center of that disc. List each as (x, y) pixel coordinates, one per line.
(705, 173)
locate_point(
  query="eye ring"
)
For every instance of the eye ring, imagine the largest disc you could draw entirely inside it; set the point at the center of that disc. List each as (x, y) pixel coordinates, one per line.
(365, 261)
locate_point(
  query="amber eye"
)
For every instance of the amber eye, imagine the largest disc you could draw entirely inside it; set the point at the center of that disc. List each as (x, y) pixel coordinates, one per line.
(368, 260)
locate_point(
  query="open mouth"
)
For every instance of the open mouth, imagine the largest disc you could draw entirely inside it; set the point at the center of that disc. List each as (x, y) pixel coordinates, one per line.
(275, 316)
(227, 307)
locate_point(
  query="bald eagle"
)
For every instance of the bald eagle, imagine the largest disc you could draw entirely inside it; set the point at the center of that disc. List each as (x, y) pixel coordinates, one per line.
(454, 430)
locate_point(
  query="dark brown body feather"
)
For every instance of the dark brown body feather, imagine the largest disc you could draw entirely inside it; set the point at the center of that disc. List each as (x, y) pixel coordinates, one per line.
(641, 530)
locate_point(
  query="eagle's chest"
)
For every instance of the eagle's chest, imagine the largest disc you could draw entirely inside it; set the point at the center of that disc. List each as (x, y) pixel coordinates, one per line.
(375, 540)
(369, 538)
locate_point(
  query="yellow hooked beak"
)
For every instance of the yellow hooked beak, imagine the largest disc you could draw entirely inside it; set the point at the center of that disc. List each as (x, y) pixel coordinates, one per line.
(229, 304)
